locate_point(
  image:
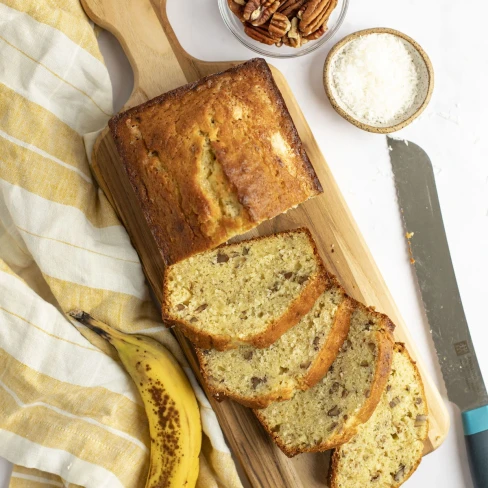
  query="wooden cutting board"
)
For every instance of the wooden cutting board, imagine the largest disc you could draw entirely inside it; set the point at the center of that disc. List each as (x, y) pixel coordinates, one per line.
(160, 64)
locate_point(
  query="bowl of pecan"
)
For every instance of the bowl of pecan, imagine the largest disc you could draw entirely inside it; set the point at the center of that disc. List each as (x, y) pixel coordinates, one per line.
(283, 28)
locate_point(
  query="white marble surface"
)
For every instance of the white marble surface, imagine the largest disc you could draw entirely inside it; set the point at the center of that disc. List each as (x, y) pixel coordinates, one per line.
(454, 132)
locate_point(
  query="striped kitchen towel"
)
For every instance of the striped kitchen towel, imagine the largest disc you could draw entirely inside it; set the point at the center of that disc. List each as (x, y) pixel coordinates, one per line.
(69, 415)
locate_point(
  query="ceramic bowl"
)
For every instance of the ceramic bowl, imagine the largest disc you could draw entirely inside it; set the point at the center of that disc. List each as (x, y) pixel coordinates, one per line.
(425, 85)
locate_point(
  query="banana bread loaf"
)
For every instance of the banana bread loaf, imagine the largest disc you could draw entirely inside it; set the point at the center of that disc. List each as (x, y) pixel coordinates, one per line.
(297, 360)
(388, 447)
(213, 159)
(328, 414)
(251, 292)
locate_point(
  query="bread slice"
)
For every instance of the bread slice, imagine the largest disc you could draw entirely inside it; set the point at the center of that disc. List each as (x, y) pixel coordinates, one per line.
(328, 414)
(246, 293)
(388, 447)
(213, 159)
(297, 360)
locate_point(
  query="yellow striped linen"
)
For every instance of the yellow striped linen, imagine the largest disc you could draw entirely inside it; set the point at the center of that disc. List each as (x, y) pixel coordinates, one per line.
(69, 414)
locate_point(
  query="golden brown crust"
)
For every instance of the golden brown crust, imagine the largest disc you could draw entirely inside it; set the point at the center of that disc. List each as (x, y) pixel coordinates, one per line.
(185, 211)
(299, 307)
(332, 474)
(385, 356)
(335, 339)
(334, 460)
(316, 285)
(325, 358)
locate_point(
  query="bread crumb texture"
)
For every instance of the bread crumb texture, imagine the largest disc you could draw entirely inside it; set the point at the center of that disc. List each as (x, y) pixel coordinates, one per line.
(213, 159)
(327, 414)
(388, 448)
(240, 290)
(255, 375)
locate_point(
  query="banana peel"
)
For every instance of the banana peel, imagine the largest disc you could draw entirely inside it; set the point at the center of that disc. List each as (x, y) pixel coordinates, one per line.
(170, 404)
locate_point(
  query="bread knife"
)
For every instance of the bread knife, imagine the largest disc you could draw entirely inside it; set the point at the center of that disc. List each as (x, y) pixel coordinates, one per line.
(422, 218)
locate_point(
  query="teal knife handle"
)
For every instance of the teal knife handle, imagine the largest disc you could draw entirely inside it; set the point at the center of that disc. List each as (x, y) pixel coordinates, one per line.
(475, 424)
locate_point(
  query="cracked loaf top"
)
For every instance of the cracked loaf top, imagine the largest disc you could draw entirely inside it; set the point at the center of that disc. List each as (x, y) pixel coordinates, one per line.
(213, 159)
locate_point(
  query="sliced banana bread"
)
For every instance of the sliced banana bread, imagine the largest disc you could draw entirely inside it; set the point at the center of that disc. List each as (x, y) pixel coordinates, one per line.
(246, 293)
(328, 414)
(297, 360)
(388, 447)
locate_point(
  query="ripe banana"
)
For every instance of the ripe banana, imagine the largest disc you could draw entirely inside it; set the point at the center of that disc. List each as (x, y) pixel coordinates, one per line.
(169, 401)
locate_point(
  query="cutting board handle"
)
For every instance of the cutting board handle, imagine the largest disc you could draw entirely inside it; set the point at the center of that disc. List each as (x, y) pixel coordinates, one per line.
(137, 27)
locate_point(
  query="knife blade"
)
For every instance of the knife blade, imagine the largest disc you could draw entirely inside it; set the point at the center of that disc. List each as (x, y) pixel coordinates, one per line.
(431, 259)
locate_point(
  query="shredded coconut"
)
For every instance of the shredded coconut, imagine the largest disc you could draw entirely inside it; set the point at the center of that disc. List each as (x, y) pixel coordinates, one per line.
(375, 78)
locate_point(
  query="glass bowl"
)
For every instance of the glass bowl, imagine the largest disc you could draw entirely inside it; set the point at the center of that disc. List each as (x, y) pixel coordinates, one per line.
(237, 28)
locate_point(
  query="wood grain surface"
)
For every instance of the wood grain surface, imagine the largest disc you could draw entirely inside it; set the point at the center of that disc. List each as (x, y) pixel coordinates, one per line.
(160, 64)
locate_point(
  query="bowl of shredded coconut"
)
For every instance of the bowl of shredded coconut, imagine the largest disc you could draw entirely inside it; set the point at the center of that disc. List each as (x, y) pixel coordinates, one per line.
(378, 79)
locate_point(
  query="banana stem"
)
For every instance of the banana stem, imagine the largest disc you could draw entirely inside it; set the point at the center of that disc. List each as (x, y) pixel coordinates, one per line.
(103, 330)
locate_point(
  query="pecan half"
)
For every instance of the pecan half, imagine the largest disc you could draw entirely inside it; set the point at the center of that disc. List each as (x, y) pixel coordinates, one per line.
(237, 7)
(260, 34)
(278, 26)
(315, 14)
(258, 12)
(314, 36)
(290, 8)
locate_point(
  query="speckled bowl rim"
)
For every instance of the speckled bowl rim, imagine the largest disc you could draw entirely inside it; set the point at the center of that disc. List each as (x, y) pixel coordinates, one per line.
(347, 116)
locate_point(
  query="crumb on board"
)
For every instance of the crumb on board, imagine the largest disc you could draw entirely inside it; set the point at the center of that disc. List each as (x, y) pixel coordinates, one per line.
(409, 235)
